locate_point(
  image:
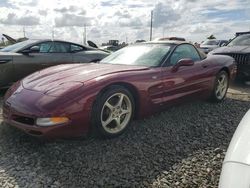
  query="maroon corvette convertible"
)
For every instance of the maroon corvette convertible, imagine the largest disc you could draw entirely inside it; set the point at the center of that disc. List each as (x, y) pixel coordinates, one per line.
(136, 81)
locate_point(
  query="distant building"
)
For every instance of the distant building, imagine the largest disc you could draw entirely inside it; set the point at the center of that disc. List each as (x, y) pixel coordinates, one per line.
(113, 42)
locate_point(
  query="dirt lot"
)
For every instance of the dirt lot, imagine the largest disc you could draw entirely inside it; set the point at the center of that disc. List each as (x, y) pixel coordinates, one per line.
(182, 147)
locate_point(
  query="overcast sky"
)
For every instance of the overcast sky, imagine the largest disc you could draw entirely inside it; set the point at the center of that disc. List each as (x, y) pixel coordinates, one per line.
(124, 19)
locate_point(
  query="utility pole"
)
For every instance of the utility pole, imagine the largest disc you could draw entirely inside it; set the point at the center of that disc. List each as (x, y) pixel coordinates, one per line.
(23, 31)
(53, 33)
(85, 35)
(151, 26)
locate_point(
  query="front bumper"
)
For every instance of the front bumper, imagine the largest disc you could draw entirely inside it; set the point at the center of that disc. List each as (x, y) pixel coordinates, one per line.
(56, 131)
(23, 107)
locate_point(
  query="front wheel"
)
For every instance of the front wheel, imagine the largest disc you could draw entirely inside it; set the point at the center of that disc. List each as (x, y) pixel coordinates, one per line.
(113, 112)
(220, 87)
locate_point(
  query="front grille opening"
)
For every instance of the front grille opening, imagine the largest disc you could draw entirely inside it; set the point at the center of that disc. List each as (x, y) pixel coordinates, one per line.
(241, 59)
(24, 120)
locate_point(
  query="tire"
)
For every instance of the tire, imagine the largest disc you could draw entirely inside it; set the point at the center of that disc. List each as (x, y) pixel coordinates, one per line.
(220, 87)
(112, 112)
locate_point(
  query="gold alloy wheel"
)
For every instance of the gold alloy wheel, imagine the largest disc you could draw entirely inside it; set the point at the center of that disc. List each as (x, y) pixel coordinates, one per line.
(221, 88)
(116, 113)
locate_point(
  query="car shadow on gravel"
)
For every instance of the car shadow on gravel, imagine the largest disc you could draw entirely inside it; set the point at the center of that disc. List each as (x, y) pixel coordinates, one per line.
(149, 148)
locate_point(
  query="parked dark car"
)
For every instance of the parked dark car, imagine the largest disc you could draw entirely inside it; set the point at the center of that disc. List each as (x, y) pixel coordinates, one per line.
(24, 58)
(239, 49)
(136, 81)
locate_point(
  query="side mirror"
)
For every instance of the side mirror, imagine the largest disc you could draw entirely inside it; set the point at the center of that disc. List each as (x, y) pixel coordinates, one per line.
(33, 49)
(182, 62)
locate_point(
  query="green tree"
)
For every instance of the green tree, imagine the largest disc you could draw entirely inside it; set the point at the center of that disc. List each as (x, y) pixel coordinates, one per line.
(211, 37)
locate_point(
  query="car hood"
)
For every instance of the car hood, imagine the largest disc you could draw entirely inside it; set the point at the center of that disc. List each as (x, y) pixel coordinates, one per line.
(232, 49)
(238, 150)
(7, 54)
(209, 46)
(72, 75)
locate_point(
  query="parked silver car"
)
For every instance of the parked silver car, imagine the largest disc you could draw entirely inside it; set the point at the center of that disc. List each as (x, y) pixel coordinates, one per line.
(212, 44)
(24, 58)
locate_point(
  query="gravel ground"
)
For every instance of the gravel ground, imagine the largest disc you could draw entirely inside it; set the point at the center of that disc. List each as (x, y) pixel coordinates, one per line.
(181, 147)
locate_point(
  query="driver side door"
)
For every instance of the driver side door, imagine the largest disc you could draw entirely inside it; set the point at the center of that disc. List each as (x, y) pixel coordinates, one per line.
(185, 81)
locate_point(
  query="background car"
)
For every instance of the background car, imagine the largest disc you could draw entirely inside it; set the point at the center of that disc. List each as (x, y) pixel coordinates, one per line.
(239, 49)
(211, 44)
(170, 38)
(236, 165)
(24, 58)
(136, 81)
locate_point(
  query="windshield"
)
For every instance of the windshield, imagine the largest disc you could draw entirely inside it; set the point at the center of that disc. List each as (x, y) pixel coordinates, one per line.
(242, 40)
(144, 55)
(211, 42)
(17, 46)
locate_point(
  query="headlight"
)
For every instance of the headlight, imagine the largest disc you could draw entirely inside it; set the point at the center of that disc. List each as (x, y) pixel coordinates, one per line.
(44, 122)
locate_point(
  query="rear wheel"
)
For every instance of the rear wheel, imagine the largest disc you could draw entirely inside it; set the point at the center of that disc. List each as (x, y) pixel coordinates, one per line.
(220, 87)
(113, 112)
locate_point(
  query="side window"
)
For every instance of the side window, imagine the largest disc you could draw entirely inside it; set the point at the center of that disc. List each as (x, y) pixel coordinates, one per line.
(53, 47)
(184, 51)
(60, 47)
(76, 48)
(44, 47)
